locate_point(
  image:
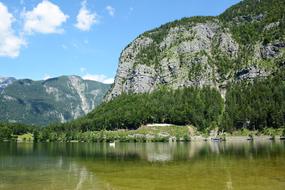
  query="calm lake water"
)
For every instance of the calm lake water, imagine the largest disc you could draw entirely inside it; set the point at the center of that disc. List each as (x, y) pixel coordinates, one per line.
(142, 166)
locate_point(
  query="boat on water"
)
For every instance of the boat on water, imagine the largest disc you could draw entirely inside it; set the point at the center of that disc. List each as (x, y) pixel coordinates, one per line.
(216, 139)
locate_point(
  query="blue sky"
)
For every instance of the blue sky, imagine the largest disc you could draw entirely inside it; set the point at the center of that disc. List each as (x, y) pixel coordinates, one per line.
(49, 38)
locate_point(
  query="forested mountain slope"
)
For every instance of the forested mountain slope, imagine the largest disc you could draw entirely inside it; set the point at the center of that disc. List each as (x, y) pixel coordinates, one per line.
(54, 100)
(225, 71)
(243, 43)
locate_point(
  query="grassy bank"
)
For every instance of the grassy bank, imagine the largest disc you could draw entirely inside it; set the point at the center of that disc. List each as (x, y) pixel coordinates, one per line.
(150, 134)
(142, 134)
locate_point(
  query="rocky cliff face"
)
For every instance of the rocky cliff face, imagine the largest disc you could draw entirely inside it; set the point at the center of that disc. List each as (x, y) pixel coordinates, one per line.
(54, 100)
(204, 51)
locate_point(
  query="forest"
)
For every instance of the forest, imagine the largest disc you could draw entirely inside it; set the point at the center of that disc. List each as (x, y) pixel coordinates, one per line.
(252, 105)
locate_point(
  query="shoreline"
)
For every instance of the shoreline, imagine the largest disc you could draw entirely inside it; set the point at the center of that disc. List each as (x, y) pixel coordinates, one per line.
(169, 133)
(262, 138)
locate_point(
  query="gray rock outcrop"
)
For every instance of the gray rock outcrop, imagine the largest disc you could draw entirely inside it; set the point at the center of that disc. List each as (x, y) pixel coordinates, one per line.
(197, 52)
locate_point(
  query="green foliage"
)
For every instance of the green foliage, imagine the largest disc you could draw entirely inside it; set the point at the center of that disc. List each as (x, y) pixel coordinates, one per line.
(272, 132)
(5, 133)
(148, 56)
(158, 34)
(27, 101)
(143, 134)
(257, 105)
(26, 137)
(244, 132)
(196, 68)
(9, 130)
(250, 105)
(223, 63)
(151, 55)
(248, 19)
(195, 106)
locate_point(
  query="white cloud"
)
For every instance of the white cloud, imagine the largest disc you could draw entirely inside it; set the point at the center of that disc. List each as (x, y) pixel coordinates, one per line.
(46, 77)
(99, 78)
(111, 10)
(85, 19)
(10, 44)
(45, 18)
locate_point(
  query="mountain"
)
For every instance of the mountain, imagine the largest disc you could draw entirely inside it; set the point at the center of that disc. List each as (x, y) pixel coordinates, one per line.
(226, 71)
(5, 81)
(243, 43)
(54, 100)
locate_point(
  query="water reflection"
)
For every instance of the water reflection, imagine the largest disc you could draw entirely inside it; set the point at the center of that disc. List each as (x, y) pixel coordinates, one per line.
(42, 172)
(201, 165)
(144, 151)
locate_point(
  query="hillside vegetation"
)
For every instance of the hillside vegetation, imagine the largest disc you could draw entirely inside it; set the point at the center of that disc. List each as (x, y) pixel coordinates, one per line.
(54, 100)
(225, 72)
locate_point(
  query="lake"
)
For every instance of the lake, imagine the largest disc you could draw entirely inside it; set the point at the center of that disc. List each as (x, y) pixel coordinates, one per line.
(143, 166)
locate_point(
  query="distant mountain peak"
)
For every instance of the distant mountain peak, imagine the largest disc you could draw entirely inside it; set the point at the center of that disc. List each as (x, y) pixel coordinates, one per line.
(5, 81)
(43, 102)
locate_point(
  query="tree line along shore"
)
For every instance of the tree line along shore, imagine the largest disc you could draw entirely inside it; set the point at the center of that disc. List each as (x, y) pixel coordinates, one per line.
(148, 133)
